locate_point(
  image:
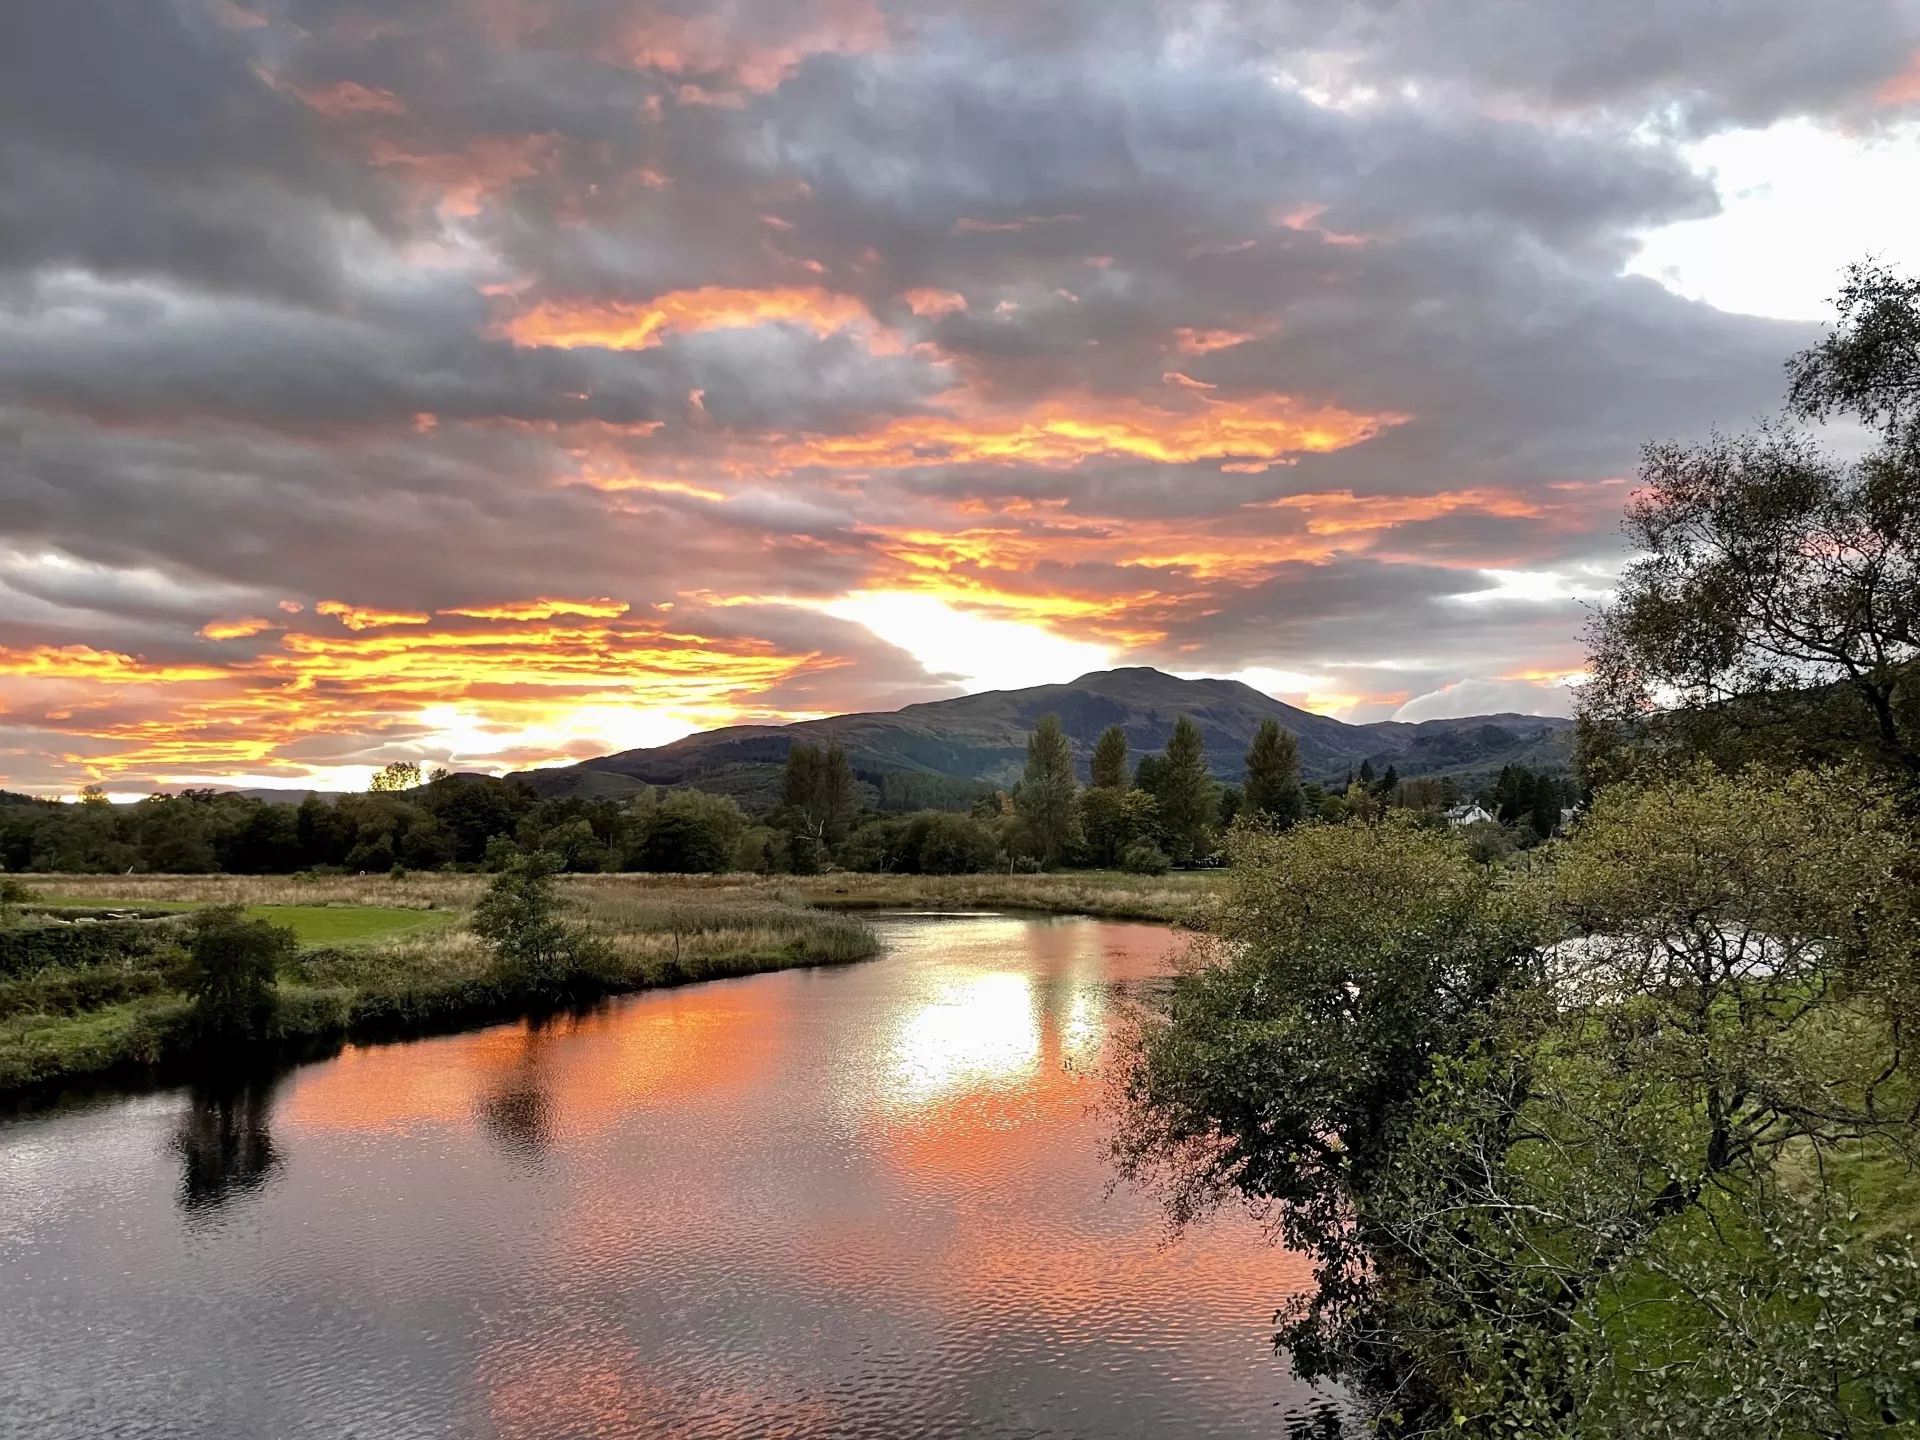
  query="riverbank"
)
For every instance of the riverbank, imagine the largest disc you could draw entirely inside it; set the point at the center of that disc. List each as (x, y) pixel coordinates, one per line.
(384, 958)
(118, 1018)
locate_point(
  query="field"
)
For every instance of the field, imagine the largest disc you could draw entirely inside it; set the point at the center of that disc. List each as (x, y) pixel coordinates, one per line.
(338, 924)
(1177, 898)
(382, 956)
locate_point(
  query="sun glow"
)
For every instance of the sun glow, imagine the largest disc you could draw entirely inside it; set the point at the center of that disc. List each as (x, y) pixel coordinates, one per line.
(983, 653)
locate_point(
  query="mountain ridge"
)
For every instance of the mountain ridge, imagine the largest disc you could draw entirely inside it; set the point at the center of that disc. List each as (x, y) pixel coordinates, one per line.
(982, 737)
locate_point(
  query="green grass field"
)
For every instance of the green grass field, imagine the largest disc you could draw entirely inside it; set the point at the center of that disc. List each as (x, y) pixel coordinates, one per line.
(314, 924)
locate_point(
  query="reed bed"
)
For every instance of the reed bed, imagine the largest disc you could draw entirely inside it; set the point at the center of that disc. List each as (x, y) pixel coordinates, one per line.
(729, 901)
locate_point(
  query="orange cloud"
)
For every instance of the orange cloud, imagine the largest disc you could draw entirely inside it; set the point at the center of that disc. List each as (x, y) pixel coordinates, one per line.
(1341, 512)
(931, 304)
(615, 326)
(234, 629)
(356, 618)
(1066, 430)
(83, 662)
(459, 183)
(530, 686)
(712, 43)
(1189, 341)
(545, 609)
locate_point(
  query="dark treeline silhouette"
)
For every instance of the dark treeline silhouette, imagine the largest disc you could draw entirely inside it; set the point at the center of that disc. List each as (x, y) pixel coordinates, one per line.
(1167, 809)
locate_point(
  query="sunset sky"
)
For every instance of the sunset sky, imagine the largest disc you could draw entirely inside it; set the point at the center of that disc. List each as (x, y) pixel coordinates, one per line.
(496, 382)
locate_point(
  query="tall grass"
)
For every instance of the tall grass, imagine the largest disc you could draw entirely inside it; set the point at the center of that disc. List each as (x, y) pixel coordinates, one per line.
(1179, 898)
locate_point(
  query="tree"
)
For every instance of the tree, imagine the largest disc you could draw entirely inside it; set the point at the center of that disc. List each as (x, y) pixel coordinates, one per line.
(519, 915)
(1285, 1067)
(817, 789)
(1146, 775)
(1775, 612)
(1870, 365)
(1567, 1144)
(232, 968)
(1272, 793)
(948, 844)
(1186, 793)
(1113, 820)
(690, 832)
(1109, 771)
(1044, 799)
(395, 776)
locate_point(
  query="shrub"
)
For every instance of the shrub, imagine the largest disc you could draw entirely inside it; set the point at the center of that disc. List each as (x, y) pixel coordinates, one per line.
(232, 966)
(1143, 857)
(520, 915)
(956, 845)
(681, 844)
(27, 948)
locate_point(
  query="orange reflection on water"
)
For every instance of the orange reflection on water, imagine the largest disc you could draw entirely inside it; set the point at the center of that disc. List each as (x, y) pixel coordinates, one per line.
(765, 1206)
(590, 1069)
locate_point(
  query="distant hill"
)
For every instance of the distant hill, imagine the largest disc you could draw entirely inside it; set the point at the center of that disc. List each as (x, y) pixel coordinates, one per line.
(983, 738)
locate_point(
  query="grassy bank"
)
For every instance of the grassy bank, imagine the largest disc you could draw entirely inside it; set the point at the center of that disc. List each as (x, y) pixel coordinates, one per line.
(373, 978)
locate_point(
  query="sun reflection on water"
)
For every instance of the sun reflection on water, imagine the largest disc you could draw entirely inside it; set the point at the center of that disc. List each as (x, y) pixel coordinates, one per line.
(981, 1028)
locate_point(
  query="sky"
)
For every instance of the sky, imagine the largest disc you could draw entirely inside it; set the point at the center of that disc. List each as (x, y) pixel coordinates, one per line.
(496, 383)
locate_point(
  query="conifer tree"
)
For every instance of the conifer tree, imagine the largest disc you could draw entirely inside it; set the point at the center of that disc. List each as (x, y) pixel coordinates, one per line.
(1272, 793)
(1046, 794)
(1110, 759)
(1186, 792)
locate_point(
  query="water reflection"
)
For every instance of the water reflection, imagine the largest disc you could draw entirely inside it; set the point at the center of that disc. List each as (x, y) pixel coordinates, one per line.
(979, 1028)
(859, 1202)
(225, 1143)
(516, 1109)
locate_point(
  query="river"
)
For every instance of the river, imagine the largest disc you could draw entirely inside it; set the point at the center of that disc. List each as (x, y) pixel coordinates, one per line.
(864, 1201)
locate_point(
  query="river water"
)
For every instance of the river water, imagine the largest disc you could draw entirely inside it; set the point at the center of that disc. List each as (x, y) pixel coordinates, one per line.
(866, 1201)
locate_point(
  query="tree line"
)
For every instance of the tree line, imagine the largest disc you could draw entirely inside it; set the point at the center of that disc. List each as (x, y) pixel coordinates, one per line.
(1165, 810)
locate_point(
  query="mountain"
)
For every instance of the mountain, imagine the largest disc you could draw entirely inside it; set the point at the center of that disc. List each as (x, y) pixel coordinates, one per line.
(984, 738)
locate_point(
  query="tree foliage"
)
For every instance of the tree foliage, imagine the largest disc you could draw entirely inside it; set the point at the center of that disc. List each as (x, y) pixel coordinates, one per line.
(232, 967)
(1045, 797)
(1184, 790)
(1109, 769)
(395, 776)
(818, 789)
(1272, 791)
(1774, 614)
(519, 915)
(1568, 1143)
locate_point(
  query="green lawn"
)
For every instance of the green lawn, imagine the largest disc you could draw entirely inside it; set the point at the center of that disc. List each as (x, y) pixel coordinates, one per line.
(314, 924)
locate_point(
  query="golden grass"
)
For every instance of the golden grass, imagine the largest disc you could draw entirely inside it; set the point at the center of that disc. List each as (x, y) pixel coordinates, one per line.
(642, 900)
(416, 892)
